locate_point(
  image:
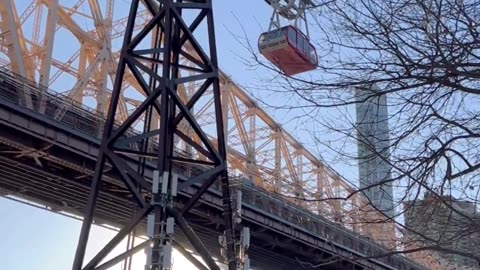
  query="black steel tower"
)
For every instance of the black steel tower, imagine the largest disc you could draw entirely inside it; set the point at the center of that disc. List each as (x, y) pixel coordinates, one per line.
(155, 56)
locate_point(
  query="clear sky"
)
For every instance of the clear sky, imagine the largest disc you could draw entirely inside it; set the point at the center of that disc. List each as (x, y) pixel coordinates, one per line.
(33, 238)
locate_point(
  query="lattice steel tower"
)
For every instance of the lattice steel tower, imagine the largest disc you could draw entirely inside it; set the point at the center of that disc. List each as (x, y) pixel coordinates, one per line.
(166, 118)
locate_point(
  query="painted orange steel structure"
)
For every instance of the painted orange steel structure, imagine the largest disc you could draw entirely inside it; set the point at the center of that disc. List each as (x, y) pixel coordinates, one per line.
(259, 149)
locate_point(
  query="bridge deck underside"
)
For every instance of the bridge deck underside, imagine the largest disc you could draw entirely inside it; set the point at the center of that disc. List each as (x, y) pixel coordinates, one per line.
(63, 194)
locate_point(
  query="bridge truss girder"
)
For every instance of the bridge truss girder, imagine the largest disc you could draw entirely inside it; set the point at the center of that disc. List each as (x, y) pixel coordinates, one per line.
(258, 148)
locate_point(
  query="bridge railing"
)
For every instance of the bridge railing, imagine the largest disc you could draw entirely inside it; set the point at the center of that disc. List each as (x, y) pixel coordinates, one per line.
(321, 226)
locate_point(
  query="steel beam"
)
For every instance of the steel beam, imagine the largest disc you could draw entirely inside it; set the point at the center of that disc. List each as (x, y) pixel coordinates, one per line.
(189, 256)
(118, 238)
(92, 199)
(123, 256)
(46, 60)
(17, 51)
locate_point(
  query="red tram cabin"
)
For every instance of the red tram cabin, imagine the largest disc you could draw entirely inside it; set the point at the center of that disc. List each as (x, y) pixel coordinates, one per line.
(289, 50)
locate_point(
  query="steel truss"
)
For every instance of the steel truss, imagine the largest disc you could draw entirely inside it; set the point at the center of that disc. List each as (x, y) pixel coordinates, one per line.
(157, 68)
(258, 147)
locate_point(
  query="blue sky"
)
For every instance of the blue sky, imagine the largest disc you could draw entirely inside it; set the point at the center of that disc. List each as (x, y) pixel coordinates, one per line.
(33, 238)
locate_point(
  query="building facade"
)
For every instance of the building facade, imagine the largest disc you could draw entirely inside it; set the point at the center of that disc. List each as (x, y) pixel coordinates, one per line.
(373, 148)
(449, 229)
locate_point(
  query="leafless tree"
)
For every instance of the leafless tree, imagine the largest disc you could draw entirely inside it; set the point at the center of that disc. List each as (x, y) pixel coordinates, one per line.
(424, 56)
